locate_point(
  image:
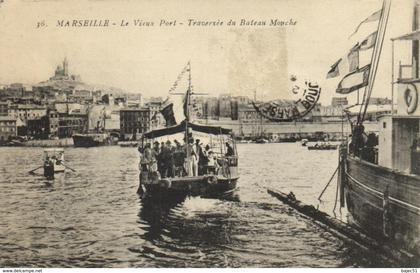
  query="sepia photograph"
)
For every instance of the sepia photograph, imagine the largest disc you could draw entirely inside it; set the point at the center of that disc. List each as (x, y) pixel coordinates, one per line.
(209, 134)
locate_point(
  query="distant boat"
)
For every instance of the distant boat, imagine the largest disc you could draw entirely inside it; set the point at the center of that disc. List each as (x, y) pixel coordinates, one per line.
(128, 143)
(323, 146)
(261, 140)
(91, 140)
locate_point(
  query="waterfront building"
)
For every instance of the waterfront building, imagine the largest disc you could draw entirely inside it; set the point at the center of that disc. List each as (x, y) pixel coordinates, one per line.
(67, 107)
(27, 111)
(4, 108)
(380, 101)
(37, 128)
(234, 108)
(242, 100)
(134, 121)
(211, 108)
(133, 100)
(339, 101)
(8, 128)
(53, 123)
(72, 123)
(225, 109)
(81, 96)
(156, 118)
(96, 95)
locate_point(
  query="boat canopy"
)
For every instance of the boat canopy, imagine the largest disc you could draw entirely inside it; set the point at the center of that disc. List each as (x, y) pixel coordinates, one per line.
(413, 36)
(214, 130)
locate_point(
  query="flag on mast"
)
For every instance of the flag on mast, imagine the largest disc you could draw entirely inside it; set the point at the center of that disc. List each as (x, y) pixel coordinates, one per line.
(353, 58)
(373, 17)
(168, 114)
(348, 66)
(369, 42)
(354, 80)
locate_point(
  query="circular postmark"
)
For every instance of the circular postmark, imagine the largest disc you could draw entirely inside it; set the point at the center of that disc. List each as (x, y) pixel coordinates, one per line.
(307, 93)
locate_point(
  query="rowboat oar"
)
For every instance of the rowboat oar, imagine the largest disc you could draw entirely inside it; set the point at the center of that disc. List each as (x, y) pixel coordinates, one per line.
(32, 171)
(68, 167)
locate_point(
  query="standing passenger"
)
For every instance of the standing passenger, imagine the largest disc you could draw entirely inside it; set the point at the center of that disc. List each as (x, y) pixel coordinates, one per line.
(169, 159)
(229, 150)
(141, 166)
(200, 157)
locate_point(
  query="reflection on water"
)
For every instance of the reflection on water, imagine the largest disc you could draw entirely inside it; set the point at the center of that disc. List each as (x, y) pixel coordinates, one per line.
(94, 218)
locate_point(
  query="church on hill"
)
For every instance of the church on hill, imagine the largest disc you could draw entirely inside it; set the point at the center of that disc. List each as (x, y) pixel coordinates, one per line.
(62, 73)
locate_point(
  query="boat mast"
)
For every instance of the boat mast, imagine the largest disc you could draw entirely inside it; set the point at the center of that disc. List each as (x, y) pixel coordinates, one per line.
(375, 58)
(104, 118)
(187, 109)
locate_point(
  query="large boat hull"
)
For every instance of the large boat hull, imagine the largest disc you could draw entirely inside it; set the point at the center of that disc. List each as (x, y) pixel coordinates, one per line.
(88, 141)
(203, 186)
(384, 203)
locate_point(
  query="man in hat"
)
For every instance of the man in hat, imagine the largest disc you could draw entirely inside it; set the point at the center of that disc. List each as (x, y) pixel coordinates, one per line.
(158, 155)
(142, 167)
(179, 158)
(200, 157)
(229, 150)
(191, 158)
(168, 159)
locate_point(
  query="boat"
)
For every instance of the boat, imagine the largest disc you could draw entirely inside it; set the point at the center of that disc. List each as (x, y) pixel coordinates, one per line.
(128, 143)
(93, 139)
(53, 161)
(323, 146)
(212, 181)
(261, 140)
(379, 174)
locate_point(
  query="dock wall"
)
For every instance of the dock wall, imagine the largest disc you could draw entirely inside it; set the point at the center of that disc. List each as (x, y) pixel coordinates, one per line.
(288, 129)
(62, 142)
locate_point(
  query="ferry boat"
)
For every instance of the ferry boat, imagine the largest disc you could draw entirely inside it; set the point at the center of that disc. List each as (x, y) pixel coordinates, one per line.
(212, 181)
(379, 175)
(216, 178)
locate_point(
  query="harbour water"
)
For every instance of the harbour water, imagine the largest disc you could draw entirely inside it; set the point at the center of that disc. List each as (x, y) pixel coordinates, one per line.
(94, 218)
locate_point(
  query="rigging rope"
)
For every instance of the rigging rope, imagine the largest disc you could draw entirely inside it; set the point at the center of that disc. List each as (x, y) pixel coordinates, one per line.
(325, 188)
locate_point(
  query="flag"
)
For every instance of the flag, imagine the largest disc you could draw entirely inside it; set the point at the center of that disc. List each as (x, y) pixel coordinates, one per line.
(168, 114)
(354, 81)
(343, 65)
(353, 58)
(335, 70)
(373, 17)
(369, 42)
(352, 61)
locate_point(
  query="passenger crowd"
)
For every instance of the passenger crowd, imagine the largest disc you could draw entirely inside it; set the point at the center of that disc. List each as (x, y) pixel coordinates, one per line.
(171, 159)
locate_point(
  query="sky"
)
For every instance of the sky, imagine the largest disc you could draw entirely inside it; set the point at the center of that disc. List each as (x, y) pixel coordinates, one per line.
(236, 60)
